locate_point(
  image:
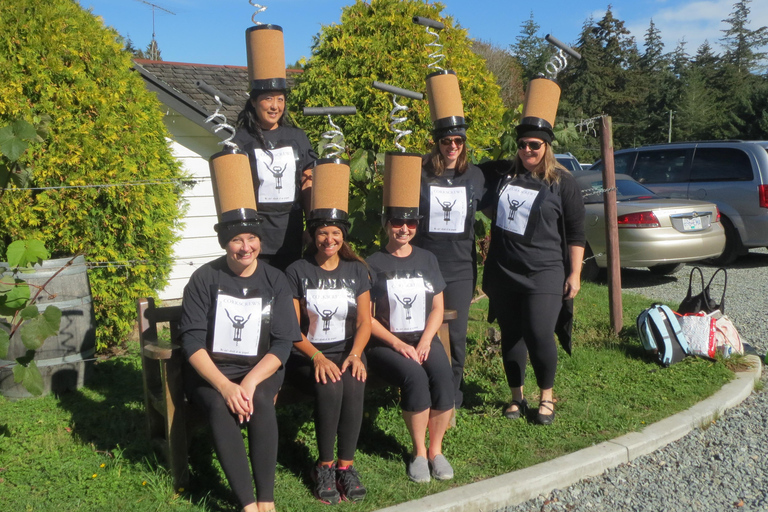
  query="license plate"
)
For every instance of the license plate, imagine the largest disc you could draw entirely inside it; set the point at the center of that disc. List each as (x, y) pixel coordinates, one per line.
(692, 224)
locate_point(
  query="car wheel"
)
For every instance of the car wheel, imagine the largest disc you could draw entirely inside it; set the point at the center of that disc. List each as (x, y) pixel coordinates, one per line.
(667, 269)
(589, 270)
(732, 243)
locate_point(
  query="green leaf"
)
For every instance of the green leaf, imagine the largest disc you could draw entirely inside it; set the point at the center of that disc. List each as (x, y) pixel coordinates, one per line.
(25, 252)
(5, 343)
(29, 312)
(14, 293)
(29, 376)
(52, 317)
(11, 145)
(35, 331)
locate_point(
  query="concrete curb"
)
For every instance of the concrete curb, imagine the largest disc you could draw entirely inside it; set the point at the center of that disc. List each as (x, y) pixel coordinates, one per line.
(519, 486)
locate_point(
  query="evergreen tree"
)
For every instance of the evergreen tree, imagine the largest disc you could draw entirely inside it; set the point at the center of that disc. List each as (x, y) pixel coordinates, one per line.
(606, 80)
(742, 44)
(531, 50)
(660, 85)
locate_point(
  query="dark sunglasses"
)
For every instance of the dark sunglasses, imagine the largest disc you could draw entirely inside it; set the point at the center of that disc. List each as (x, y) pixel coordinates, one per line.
(456, 140)
(535, 146)
(398, 223)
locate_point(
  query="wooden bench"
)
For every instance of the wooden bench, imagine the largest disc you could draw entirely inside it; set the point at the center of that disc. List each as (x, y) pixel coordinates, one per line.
(169, 419)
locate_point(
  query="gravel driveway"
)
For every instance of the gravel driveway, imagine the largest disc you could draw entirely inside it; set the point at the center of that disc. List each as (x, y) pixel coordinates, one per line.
(724, 467)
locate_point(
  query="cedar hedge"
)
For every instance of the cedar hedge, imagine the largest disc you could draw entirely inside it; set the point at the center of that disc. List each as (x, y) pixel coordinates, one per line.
(58, 60)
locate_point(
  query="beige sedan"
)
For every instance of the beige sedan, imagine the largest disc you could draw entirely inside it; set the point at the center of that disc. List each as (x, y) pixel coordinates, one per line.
(654, 232)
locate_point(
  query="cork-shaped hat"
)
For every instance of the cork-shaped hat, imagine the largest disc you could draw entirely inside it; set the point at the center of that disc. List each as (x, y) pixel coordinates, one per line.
(540, 109)
(445, 106)
(330, 191)
(266, 58)
(234, 195)
(402, 184)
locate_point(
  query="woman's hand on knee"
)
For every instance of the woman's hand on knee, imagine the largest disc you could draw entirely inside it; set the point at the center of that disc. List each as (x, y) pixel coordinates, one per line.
(358, 368)
(407, 350)
(422, 350)
(325, 369)
(238, 401)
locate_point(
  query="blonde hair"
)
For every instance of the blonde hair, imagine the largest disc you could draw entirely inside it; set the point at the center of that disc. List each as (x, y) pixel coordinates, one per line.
(548, 169)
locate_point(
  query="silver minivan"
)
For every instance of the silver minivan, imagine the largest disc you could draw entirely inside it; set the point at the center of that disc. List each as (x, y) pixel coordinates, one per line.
(733, 174)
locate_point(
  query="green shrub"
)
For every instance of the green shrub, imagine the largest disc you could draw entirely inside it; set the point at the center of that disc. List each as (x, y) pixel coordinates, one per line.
(377, 40)
(58, 60)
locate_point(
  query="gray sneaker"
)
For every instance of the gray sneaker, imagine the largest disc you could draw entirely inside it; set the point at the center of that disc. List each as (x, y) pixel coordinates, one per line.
(418, 470)
(441, 468)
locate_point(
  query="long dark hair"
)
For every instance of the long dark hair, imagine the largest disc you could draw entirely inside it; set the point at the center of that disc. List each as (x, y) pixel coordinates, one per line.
(435, 163)
(249, 119)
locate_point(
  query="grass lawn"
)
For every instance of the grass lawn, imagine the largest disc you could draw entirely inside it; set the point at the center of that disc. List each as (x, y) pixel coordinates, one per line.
(87, 450)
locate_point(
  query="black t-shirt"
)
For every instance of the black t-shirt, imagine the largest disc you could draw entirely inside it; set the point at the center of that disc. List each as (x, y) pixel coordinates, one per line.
(447, 229)
(276, 172)
(403, 289)
(328, 301)
(254, 316)
(526, 244)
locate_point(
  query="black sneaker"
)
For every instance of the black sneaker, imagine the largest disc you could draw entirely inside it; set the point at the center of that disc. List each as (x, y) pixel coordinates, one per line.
(325, 484)
(348, 483)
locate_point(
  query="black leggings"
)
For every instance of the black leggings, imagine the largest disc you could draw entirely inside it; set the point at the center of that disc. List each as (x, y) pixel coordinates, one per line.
(528, 327)
(422, 386)
(338, 405)
(458, 296)
(227, 440)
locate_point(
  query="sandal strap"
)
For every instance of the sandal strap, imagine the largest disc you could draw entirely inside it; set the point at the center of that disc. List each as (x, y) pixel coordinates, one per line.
(543, 403)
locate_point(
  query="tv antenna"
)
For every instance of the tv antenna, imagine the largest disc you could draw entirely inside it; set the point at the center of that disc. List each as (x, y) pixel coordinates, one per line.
(153, 44)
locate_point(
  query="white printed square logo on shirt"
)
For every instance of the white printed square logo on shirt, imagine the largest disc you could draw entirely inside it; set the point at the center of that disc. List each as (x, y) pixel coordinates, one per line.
(514, 209)
(327, 310)
(277, 171)
(407, 304)
(237, 326)
(448, 209)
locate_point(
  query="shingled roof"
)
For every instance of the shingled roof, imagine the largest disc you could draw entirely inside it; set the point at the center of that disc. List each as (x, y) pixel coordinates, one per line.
(176, 86)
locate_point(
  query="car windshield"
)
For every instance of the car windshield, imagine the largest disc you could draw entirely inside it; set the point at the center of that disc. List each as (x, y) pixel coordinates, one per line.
(626, 190)
(569, 163)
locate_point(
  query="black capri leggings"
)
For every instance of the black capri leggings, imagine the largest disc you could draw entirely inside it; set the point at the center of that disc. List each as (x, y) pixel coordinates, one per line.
(528, 327)
(458, 296)
(422, 386)
(227, 440)
(338, 405)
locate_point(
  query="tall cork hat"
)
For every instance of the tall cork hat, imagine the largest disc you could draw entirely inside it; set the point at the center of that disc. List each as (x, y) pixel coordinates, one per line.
(540, 109)
(330, 194)
(234, 196)
(445, 105)
(266, 58)
(402, 183)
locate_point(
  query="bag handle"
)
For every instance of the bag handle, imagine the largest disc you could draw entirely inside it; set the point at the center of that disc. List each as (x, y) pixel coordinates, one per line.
(690, 282)
(721, 305)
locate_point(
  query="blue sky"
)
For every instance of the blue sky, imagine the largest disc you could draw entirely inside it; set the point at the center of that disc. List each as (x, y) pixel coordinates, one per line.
(212, 31)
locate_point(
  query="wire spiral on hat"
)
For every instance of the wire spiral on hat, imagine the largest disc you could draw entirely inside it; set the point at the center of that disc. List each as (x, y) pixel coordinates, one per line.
(329, 136)
(556, 64)
(399, 134)
(259, 9)
(222, 124)
(435, 55)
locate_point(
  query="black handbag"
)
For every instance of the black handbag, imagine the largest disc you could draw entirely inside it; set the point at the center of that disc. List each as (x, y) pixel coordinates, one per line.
(702, 301)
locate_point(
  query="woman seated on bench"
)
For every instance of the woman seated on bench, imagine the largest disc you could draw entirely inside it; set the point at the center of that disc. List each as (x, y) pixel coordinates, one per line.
(404, 349)
(332, 299)
(237, 329)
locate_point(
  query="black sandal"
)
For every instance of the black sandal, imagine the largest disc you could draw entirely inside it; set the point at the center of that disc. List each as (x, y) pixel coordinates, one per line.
(522, 409)
(546, 419)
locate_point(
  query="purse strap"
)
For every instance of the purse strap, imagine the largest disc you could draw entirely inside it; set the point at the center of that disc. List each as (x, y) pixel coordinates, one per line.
(690, 282)
(721, 305)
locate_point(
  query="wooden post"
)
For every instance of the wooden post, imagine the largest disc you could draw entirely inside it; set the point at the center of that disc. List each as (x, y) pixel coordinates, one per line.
(611, 225)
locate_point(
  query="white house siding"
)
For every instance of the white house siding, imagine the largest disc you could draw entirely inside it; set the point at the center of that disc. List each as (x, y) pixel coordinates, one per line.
(192, 145)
